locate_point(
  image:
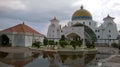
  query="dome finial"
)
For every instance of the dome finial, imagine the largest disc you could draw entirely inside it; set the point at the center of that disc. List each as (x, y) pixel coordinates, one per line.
(81, 7)
(108, 15)
(23, 23)
(54, 17)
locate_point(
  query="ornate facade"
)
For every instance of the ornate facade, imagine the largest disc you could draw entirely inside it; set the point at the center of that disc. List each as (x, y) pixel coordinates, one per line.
(82, 26)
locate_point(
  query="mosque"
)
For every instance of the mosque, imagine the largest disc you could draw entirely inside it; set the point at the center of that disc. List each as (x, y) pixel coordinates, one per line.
(82, 26)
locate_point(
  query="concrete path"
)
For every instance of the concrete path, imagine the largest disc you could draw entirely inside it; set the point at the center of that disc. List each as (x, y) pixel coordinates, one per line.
(14, 49)
(113, 61)
(108, 50)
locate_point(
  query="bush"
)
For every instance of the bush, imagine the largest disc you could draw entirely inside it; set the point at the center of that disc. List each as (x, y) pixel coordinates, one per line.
(51, 42)
(115, 45)
(90, 45)
(62, 38)
(76, 43)
(45, 41)
(63, 43)
(73, 44)
(79, 43)
(36, 44)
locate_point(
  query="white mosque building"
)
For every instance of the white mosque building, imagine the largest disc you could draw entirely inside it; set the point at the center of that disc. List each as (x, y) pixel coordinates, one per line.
(82, 26)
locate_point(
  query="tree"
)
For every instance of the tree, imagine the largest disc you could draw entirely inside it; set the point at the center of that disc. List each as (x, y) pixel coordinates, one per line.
(63, 43)
(45, 41)
(79, 43)
(73, 44)
(62, 38)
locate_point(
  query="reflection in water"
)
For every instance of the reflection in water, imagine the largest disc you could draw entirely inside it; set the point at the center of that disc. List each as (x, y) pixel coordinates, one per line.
(47, 59)
(69, 59)
(3, 54)
(17, 59)
(73, 60)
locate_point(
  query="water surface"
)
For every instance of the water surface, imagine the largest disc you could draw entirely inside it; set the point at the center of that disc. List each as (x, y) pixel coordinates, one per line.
(50, 59)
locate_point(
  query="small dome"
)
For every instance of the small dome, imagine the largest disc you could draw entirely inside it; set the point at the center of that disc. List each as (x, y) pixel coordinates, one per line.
(81, 14)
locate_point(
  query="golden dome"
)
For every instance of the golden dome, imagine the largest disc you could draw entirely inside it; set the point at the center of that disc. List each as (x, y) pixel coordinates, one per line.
(81, 14)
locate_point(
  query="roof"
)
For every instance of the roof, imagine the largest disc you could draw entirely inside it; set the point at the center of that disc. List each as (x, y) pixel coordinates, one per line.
(81, 14)
(54, 19)
(21, 28)
(108, 16)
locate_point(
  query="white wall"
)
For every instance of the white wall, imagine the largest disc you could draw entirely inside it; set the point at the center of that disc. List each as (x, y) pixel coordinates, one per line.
(28, 40)
(107, 30)
(19, 40)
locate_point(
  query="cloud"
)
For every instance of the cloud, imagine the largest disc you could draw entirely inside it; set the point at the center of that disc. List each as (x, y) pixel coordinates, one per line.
(13, 4)
(37, 13)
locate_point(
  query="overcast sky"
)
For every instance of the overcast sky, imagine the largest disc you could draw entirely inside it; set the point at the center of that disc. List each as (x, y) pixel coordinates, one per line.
(37, 13)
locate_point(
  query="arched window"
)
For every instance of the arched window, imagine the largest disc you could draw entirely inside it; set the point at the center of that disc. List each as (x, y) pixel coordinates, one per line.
(95, 30)
(83, 22)
(109, 31)
(98, 36)
(89, 23)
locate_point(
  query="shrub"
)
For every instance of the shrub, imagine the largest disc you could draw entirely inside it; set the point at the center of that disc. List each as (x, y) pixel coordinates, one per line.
(63, 43)
(79, 43)
(45, 41)
(62, 38)
(76, 43)
(115, 45)
(90, 45)
(51, 42)
(36, 44)
(73, 43)
(8, 45)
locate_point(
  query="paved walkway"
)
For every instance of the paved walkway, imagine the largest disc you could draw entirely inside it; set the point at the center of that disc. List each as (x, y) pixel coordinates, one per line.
(15, 49)
(107, 50)
(113, 61)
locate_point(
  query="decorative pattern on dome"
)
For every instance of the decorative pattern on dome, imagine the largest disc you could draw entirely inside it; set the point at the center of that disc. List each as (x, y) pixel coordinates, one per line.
(81, 14)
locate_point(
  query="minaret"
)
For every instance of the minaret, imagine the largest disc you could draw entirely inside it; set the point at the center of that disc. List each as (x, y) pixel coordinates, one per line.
(54, 29)
(108, 19)
(109, 30)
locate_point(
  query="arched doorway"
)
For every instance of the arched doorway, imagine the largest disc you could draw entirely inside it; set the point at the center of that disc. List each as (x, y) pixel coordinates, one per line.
(89, 33)
(4, 40)
(73, 36)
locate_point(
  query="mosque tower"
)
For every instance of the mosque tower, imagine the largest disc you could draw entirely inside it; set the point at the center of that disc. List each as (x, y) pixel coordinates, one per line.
(107, 32)
(54, 30)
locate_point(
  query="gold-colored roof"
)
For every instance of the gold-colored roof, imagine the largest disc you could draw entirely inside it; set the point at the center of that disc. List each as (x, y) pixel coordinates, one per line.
(81, 14)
